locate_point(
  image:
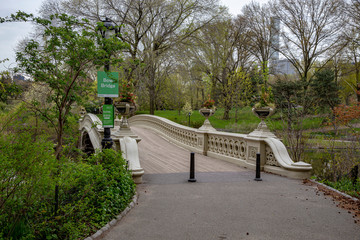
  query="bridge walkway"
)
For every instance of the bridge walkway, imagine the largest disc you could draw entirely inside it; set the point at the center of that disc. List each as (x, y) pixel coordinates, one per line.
(224, 203)
(157, 155)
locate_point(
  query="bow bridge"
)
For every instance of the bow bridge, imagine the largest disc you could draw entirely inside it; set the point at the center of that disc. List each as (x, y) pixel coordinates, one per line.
(239, 149)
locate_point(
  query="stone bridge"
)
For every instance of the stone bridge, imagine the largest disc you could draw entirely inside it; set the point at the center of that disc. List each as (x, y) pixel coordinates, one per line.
(239, 149)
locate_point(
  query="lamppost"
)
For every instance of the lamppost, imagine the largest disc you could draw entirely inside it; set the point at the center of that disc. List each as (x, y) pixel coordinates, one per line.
(109, 29)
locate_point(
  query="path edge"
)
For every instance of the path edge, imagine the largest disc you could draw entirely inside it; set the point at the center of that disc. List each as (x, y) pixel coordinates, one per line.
(334, 190)
(113, 222)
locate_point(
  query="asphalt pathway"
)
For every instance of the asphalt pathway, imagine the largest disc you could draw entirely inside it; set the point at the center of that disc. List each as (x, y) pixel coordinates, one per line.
(224, 203)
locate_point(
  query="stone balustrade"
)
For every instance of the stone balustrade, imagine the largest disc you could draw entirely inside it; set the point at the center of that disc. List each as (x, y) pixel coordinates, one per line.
(240, 149)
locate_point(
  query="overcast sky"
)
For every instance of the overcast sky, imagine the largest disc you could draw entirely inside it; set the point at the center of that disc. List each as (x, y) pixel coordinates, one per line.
(12, 33)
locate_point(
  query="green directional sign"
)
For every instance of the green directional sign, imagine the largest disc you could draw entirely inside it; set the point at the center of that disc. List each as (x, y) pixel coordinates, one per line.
(108, 84)
(108, 116)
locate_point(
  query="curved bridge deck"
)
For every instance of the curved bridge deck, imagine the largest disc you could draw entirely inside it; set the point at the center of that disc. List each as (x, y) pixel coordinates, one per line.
(157, 155)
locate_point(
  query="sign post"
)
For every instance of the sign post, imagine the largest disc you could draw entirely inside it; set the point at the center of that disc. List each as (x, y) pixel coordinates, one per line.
(108, 87)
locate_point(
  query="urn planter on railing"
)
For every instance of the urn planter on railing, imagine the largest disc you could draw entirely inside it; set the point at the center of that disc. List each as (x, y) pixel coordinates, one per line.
(206, 113)
(125, 109)
(263, 112)
(262, 130)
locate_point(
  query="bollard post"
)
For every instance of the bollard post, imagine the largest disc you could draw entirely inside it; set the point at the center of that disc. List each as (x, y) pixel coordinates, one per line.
(257, 177)
(192, 168)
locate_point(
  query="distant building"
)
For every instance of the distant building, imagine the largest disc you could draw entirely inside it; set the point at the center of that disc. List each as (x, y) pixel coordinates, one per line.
(278, 66)
(282, 66)
(18, 77)
(21, 81)
(275, 39)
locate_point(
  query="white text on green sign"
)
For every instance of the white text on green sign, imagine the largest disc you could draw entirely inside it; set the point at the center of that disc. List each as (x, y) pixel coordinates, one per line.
(108, 116)
(108, 84)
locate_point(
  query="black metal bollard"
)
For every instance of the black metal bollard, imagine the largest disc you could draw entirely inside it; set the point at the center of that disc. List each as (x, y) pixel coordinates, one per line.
(192, 168)
(257, 177)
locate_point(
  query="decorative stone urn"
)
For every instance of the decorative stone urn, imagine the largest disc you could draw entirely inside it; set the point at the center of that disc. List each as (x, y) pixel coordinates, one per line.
(206, 112)
(262, 130)
(125, 109)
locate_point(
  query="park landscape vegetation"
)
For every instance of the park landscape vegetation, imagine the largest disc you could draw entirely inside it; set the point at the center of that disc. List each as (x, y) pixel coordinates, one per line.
(174, 61)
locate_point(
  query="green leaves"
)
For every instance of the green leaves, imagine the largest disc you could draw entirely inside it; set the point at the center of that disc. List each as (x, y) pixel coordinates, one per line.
(62, 59)
(92, 192)
(59, 62)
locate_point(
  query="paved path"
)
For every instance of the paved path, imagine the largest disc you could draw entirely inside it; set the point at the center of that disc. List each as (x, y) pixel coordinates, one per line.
(159, 156)
(224, 203)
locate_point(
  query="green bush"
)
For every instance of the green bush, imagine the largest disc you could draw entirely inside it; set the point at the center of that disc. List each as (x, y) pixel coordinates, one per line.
(92, 191)
(26, 169)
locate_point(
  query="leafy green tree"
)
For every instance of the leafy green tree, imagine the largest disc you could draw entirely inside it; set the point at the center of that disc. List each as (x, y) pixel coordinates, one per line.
(288, 96)
(62, 60)
(240, 89)
(325, 90)
(220, 51)
(8, 89)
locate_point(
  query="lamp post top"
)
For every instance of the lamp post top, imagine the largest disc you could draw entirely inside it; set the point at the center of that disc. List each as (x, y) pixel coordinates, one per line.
(108, 24)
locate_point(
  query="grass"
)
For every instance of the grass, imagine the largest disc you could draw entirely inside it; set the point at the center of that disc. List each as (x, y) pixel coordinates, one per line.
(246, 120)
(312, 122)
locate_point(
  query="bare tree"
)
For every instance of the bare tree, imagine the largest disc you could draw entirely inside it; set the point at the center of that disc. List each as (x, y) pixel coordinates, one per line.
(353, 11)
(260, 22)
(311, 30)
(353, 48)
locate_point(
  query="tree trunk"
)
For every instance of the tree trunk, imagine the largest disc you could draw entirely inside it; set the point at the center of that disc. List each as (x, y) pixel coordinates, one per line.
(58, 157)
(227, 108)
(152, 99)
(203, 96)
(236, 113)
(357, 76)
(358, 84)
(151, 87)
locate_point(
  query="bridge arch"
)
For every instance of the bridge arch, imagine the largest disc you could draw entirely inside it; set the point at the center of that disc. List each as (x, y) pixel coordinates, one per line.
(90, 133)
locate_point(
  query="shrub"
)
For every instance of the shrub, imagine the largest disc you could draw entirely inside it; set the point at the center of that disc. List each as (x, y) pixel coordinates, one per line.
(25, 172)
(92, 190)
(92, 193)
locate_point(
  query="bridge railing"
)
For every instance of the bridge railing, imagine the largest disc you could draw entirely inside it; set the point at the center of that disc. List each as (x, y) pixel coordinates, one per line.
(240, 149)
